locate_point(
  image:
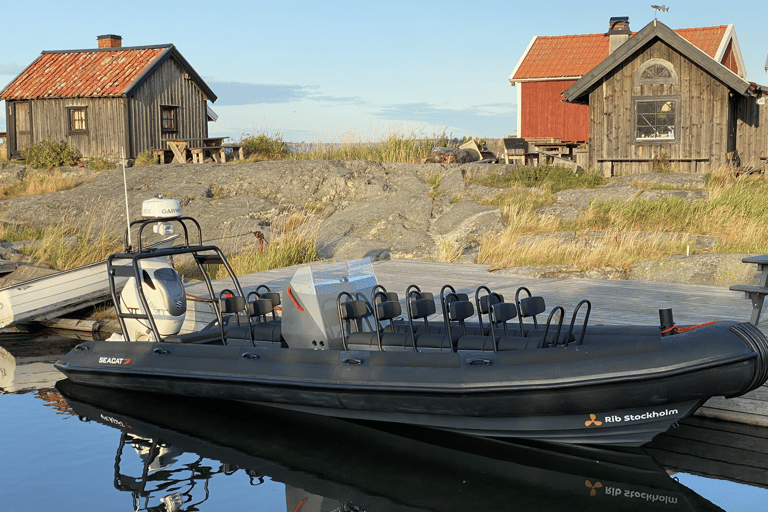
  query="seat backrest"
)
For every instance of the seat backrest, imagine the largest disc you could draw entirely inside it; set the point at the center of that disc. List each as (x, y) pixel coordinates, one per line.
(532, 306)
(422, 308)
(353, 309)
(260, 307)
(460, 310)
(486, 302)
(388, 310)
(231, 304)
(502, 312)
(273, 296)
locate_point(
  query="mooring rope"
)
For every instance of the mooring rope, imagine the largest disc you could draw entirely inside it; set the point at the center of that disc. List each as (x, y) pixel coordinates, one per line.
(675, 329)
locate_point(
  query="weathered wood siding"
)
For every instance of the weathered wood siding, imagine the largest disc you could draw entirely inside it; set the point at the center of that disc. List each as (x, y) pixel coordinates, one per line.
(167, 86)
(752, 130)
(545, 115)
(105, 124)
(704, 111)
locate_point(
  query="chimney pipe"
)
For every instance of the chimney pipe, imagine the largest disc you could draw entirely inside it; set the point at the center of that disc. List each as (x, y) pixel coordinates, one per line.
(110, 41)
(618, 32)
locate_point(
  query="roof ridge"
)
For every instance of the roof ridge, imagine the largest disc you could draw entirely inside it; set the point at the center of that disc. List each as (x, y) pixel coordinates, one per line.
(603, 34)
(119, 49)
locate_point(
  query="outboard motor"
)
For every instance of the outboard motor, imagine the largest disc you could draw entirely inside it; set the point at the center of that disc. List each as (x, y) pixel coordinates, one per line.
(164, 291)
(161, 284)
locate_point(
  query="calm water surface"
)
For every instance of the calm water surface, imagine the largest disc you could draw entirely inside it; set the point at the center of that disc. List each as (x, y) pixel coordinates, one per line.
(71, 448)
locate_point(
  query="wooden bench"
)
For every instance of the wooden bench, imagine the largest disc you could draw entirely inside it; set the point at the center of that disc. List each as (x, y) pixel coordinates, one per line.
(218, 153)
(755, 293)
(159, 154)
(237, 150)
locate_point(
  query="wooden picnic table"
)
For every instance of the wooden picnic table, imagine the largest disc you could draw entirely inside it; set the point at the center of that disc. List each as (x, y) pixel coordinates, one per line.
(198, 147)
(755, 293)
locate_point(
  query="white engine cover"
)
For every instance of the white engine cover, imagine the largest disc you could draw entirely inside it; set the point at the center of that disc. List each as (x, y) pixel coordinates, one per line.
(165, 296)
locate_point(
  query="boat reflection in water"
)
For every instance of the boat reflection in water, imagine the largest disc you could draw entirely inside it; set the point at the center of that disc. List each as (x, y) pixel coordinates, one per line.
(330, 464)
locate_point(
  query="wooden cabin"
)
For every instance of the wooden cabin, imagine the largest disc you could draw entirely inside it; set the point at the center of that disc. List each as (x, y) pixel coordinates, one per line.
(108, 98)
(552, 64)
(659, 99)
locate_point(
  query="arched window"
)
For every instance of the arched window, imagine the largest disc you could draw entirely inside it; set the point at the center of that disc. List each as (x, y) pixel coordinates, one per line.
(656, 71)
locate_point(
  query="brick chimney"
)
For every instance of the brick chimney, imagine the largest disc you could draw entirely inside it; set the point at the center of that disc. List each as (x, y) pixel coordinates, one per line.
(110, 41)
(618, 31)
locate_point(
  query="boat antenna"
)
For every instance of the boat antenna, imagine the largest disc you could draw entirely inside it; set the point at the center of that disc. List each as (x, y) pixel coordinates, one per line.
(125, 187)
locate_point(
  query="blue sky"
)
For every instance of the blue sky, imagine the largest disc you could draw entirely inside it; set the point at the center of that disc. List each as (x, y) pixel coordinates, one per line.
(344, 70)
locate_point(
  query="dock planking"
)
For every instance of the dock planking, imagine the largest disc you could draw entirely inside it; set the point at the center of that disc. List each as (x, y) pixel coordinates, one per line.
(716, 449)
(614, 302)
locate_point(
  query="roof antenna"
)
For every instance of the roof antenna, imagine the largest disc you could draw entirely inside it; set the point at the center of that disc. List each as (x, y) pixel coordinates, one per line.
(662, 8)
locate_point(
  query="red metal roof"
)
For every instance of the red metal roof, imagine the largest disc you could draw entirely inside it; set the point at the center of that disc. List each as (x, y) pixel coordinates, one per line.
(576, 55)
(86, 73)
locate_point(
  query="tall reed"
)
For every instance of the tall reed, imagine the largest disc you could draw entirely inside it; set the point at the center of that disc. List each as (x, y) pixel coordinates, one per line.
(65, 247)
(735, 213)
(292, 241)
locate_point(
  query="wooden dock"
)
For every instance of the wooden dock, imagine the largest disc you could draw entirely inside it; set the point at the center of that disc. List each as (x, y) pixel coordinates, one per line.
(714, 449)
(614, 302)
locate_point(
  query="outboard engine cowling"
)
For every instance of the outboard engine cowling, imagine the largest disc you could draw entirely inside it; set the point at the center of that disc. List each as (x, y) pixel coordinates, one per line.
(167, 301)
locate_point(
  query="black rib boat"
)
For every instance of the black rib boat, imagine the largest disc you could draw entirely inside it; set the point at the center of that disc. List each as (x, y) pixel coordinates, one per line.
(344, 348)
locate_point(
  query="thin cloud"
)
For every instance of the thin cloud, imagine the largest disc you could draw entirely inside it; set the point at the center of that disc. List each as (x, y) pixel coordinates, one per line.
(239, 93)
(243, 93)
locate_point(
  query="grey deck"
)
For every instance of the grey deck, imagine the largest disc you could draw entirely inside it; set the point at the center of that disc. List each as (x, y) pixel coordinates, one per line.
(613, 303)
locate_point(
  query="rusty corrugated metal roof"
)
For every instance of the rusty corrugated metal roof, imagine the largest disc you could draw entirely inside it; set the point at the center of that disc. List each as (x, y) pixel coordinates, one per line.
(575, 55)
(83, 73)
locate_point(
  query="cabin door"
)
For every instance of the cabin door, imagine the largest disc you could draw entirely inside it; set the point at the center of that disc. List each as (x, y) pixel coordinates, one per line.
(22, 127)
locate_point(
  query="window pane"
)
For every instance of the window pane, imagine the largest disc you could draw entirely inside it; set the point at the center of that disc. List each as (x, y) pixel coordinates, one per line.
(666, 132)
(655, 119)
(646, 107)
(169, 119)
(645, 132)
(656, 71)
(77, 119)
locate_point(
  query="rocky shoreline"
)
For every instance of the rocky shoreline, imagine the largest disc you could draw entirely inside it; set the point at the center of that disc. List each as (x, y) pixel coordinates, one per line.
(374, 209)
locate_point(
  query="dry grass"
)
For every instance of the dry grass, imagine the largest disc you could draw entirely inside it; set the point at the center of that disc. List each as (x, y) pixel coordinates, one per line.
(449, 251)
(291, 242)
(391, 145)
(735, 213)
(618, 249)
(38, 182)
(65, 247)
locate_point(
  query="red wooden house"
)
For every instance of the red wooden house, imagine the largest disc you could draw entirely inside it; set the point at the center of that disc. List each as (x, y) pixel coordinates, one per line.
(552, 64)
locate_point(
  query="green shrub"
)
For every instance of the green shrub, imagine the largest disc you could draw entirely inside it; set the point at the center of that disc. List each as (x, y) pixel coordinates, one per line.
(99, 163)
(264, 146)
(661, 163)
(558, 178)
(49, 155)
(145, 158)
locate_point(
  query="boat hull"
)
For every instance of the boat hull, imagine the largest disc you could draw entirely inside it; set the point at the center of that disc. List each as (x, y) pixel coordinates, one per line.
(615, 394)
